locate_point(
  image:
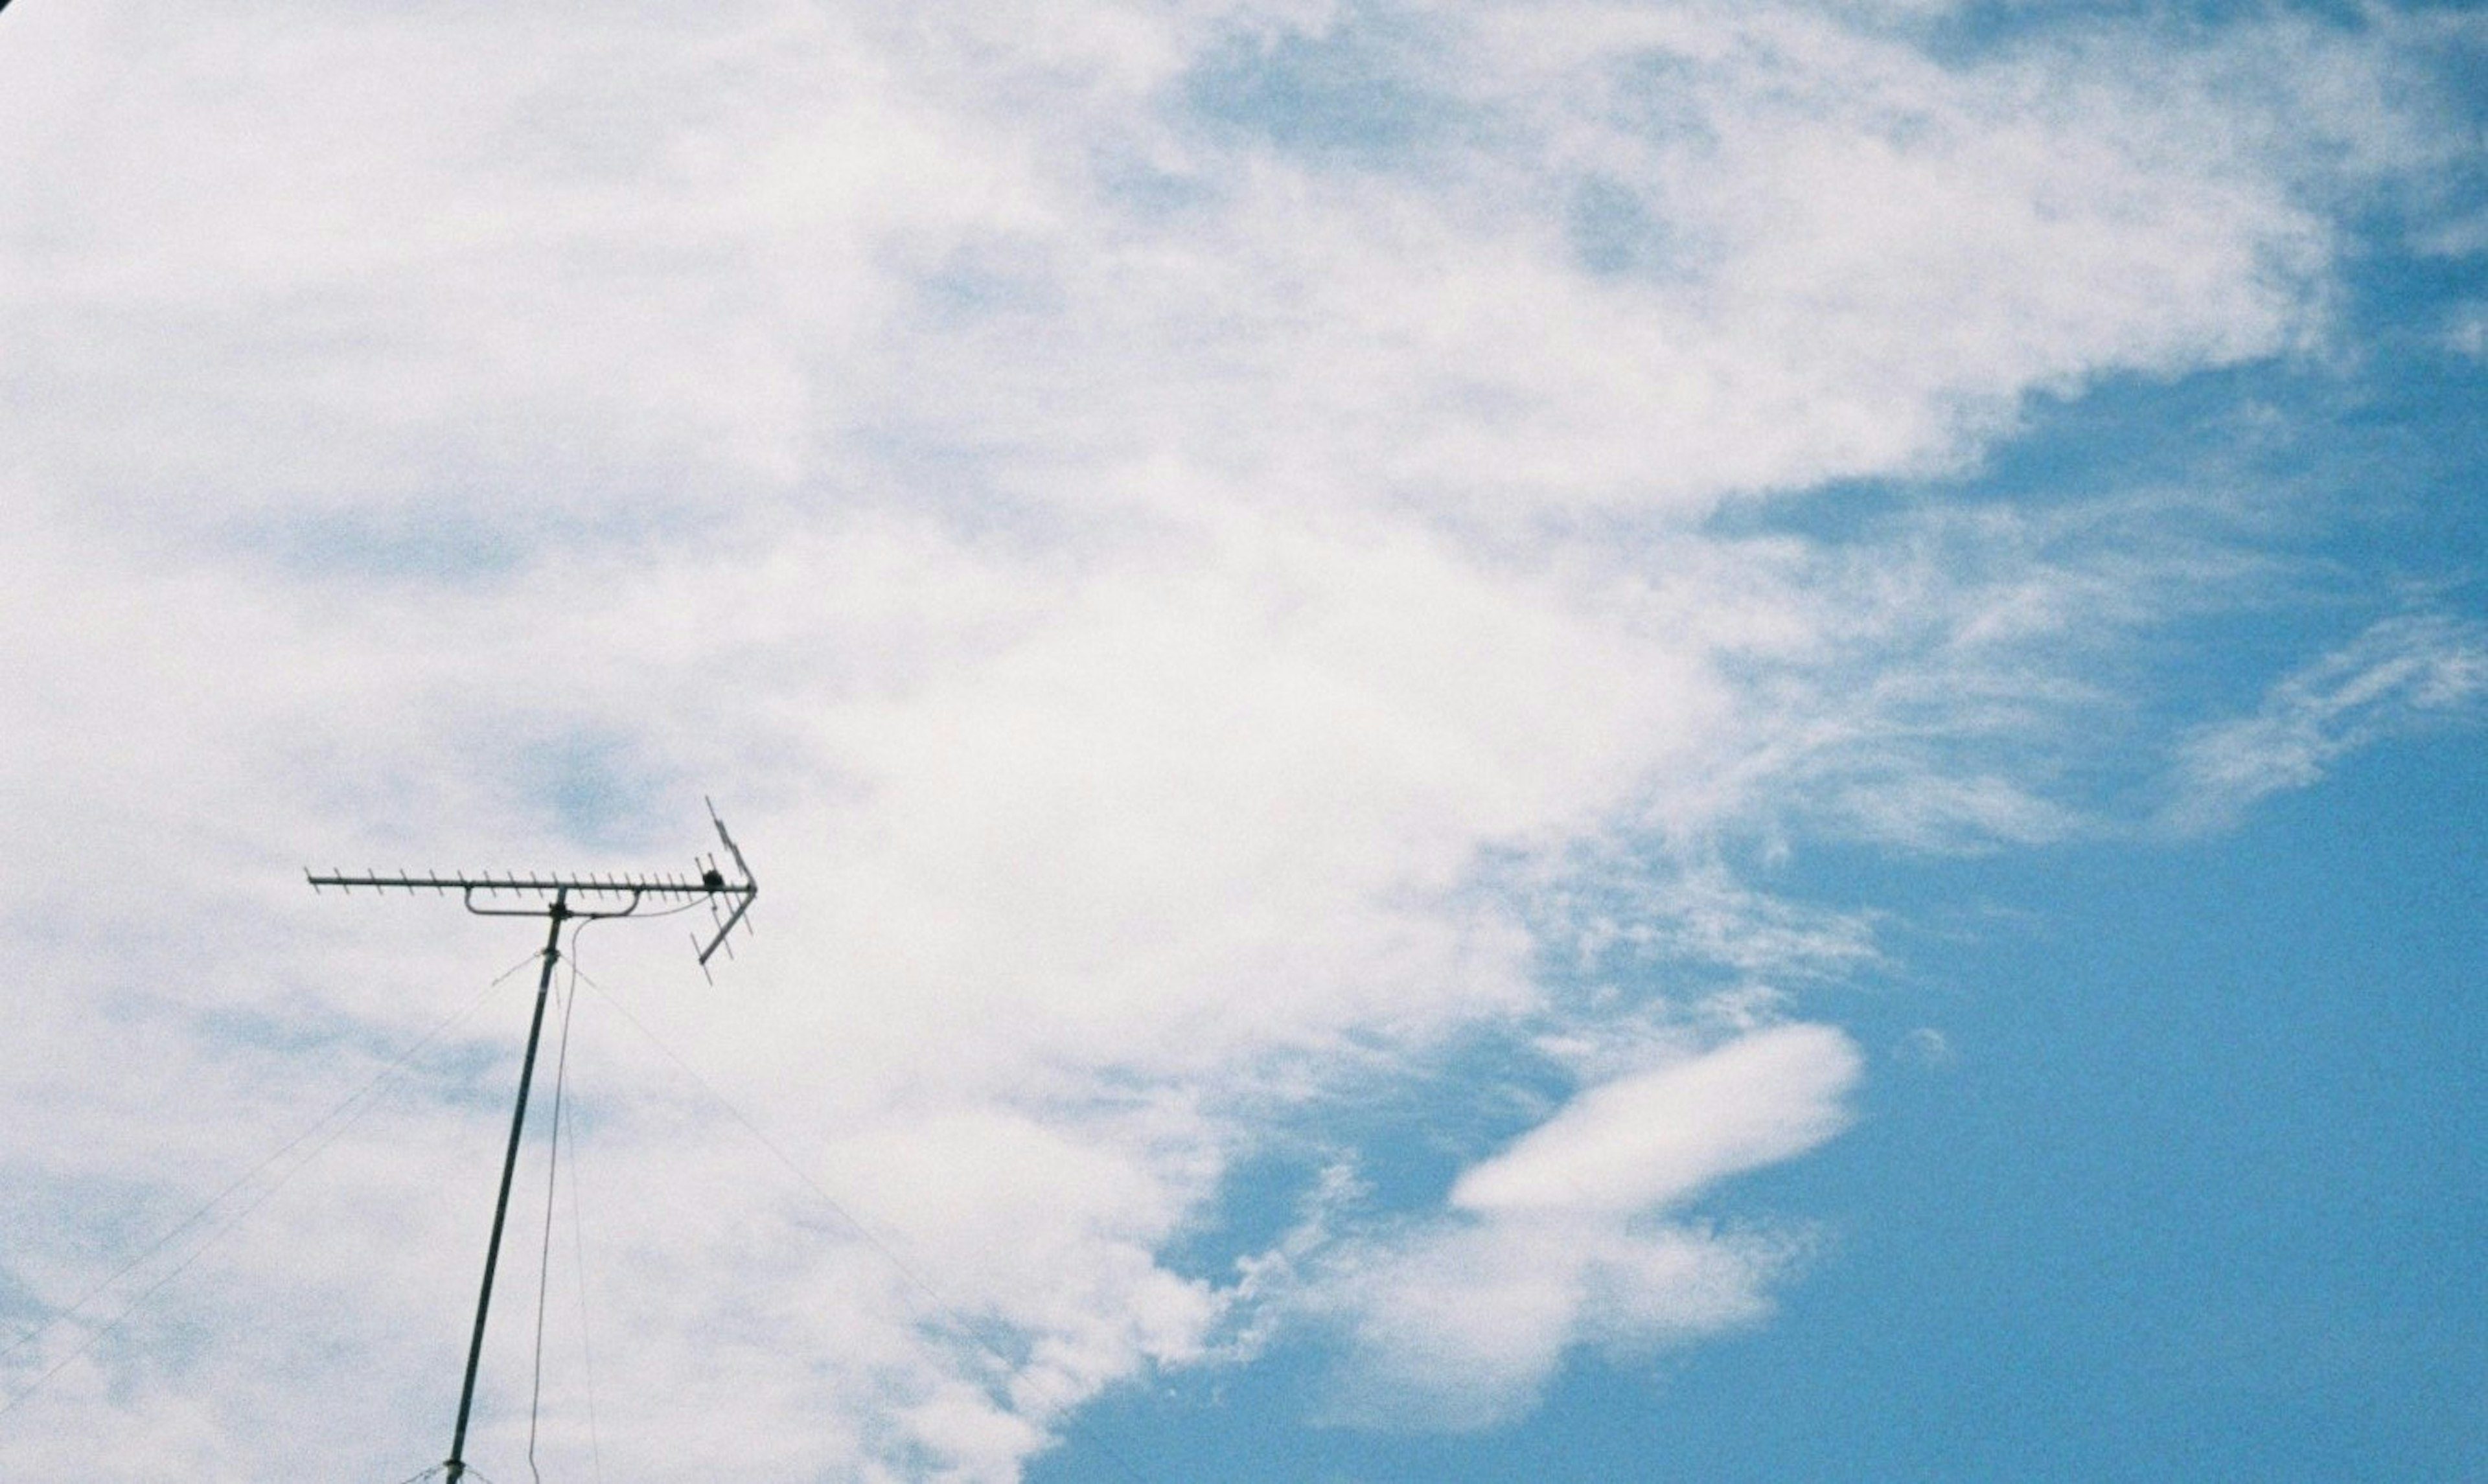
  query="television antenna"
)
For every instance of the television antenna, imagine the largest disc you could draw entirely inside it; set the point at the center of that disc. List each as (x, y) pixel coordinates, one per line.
(561, 900)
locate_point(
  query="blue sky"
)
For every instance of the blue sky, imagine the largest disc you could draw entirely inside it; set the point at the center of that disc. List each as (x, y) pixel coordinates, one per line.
(2189, 1198)
(1569, 742)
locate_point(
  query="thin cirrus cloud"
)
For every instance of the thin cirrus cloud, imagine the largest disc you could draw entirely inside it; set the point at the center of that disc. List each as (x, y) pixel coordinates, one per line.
(2402, 674)
(1205, 600)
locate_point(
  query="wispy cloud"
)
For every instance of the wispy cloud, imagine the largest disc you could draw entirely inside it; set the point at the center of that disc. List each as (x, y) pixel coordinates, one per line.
(2401, 674)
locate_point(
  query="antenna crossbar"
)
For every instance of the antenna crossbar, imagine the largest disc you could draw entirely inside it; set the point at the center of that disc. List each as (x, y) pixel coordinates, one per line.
(645, 886)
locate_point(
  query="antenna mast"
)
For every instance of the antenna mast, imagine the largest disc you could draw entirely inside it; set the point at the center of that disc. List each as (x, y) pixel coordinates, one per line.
(552, 897)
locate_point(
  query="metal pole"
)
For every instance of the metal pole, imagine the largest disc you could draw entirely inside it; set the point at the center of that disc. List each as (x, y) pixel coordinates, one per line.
(559, 913)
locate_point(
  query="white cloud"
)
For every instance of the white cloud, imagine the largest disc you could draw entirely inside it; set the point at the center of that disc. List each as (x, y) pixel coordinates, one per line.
(1461, 1326)
(1181, 622)
(1652, 1140)
(631, 279)
(1558, 1241)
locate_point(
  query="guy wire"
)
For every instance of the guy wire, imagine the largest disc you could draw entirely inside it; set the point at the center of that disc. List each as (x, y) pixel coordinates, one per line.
(359, 1095)
(578, 1252)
